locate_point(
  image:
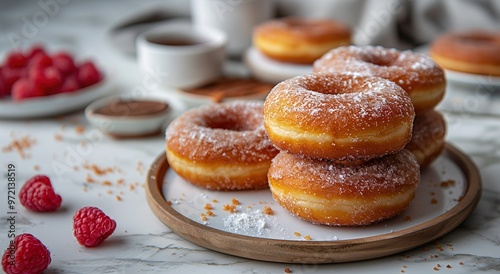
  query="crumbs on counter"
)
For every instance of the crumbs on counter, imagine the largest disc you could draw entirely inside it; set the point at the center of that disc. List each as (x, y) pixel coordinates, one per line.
(20, 145)
(235, 201)
(58, 137)
(80, 129)
(307, 237)
(98, 170)
(288, 270)
(140, 167)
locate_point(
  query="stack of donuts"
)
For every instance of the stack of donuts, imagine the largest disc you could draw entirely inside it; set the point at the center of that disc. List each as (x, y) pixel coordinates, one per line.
(344, 134)
(417, 74)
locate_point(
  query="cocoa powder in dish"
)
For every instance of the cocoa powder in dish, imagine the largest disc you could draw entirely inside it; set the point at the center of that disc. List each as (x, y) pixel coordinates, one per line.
(132, 108)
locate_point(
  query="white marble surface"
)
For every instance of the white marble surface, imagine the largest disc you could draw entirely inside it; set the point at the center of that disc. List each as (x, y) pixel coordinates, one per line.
(65, 146)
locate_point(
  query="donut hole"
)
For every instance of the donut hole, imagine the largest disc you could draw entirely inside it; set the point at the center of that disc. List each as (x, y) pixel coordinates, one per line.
(334, 83)
(379, 61)
(475, 38)
(231, 121)
(227, 125)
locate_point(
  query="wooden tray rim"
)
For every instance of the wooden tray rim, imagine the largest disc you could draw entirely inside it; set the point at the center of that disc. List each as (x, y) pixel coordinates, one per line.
(294, 251)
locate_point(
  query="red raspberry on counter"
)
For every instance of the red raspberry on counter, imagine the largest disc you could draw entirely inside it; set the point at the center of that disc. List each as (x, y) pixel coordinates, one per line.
(37, 194)
(26, 254)
(91, 226)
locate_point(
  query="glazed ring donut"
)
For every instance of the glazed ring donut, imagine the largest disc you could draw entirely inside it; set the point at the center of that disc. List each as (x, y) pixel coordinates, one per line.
(324, 192)
(301, 41)
(343, 117)
(221, 146)
(417, 74)
(428, 138)
(471, 52)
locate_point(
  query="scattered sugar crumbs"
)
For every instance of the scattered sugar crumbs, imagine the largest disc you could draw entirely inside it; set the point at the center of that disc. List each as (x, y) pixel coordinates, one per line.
(447, 183)
(96, 175)
(267, 210)
(230, 208)
(20, 145)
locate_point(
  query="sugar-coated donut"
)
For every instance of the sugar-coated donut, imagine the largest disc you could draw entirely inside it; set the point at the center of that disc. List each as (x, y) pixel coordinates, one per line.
(300, 40)
(428, 138)
(476, 52)
(416, 73)
(343, 117)
(324, 192)
(221, 146)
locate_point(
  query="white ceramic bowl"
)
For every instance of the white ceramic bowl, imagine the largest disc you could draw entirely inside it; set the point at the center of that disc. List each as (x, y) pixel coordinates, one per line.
(127, 126)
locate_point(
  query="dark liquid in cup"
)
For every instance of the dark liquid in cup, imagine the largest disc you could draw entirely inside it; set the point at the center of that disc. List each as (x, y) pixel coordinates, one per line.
(177, 41)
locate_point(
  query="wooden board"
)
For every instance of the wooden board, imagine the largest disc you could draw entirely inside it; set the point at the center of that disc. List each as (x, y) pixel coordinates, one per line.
(316, 251)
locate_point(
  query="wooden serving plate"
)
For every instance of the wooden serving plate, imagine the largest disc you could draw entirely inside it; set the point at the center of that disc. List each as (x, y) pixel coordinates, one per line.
(448, 193)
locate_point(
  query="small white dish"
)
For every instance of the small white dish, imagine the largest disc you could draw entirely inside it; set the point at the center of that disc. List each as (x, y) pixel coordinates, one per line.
(124, 123)
(56, 104)
(271, 71)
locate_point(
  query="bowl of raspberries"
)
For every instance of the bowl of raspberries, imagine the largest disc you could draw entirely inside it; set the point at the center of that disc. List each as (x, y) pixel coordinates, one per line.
(38, 82)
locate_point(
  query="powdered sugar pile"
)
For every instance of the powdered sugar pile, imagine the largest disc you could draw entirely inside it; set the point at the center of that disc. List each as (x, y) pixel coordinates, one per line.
(249, 223)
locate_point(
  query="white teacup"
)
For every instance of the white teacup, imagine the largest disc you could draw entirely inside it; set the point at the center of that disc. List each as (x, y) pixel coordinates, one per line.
(179, 55)
(236, 18)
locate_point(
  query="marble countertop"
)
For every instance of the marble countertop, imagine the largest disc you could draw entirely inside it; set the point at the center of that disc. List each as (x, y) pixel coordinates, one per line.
(66, 148)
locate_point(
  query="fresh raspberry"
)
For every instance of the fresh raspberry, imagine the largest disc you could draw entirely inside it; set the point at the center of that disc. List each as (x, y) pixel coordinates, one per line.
(4, 91)
(40, 59)
(25, 88)
(16, 59)
(64, 62)
(91, 226)
(88, 74)
(11, 75)
(47, 77)
(70, 84)
(37, 194)
(26, 254)
(34, 50)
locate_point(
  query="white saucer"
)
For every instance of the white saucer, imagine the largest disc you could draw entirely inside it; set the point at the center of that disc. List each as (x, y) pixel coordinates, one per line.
(472, 79)
(271, 71)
